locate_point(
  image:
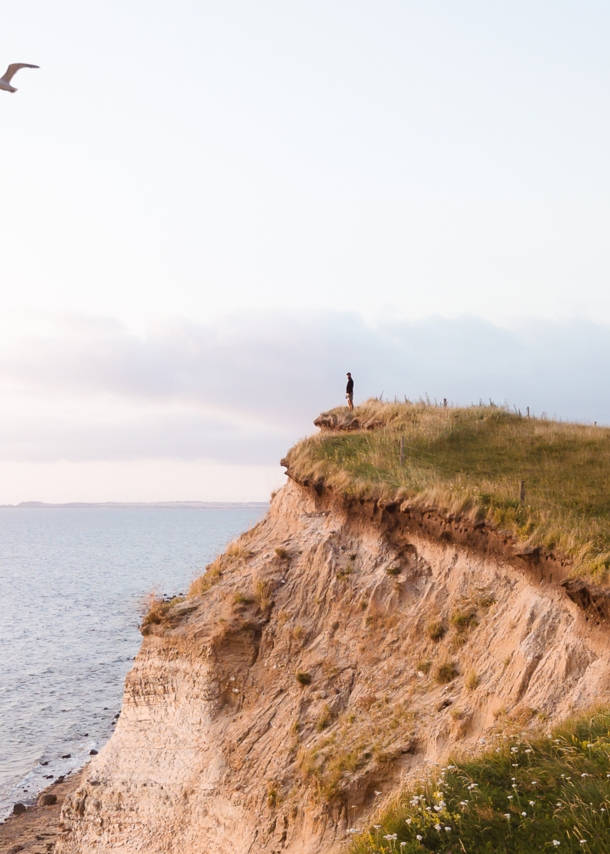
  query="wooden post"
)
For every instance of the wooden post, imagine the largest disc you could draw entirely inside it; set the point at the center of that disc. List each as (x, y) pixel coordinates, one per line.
(402, 450)
(528, 412)
(521, 492)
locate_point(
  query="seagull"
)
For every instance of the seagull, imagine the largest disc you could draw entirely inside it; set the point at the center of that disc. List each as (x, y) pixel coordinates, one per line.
(5, 82)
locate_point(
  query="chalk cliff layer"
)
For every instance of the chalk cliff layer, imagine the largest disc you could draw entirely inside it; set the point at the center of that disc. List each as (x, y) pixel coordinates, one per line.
(342, 647)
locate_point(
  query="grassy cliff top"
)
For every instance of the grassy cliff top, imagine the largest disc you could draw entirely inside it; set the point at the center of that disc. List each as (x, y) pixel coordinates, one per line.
(469, 462)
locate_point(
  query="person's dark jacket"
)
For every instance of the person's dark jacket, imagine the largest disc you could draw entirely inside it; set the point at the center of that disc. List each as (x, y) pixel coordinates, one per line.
(349, 388)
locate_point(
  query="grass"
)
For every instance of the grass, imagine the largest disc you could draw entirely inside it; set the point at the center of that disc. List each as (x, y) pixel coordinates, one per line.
(551, 793)
(463, 620)
(211, 577)
(346, 745)
(469, 462)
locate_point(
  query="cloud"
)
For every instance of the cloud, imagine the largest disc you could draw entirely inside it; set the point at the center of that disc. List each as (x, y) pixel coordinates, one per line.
(243, 388)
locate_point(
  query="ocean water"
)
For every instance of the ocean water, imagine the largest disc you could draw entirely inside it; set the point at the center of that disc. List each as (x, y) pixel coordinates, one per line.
(73, 588)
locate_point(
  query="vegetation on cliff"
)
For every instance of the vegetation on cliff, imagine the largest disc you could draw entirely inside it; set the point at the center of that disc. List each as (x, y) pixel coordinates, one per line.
(523, 796)
(470, 462)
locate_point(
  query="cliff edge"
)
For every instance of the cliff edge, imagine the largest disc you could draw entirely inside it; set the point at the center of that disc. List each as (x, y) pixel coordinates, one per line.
(341, 644)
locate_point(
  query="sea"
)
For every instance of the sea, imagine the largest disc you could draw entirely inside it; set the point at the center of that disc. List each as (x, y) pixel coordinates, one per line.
(74, 583)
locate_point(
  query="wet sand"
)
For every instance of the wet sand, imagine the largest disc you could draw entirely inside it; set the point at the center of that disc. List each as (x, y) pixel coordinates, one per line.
(35, 830)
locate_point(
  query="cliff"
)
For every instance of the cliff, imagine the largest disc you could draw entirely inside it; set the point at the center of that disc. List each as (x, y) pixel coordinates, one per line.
(343, 643)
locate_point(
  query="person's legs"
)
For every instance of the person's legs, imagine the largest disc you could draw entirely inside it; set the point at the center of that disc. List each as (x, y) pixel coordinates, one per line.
(350, 402)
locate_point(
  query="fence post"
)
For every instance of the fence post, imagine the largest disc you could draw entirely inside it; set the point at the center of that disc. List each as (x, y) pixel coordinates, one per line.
(521, 492)
(528, 412)
(402, 450)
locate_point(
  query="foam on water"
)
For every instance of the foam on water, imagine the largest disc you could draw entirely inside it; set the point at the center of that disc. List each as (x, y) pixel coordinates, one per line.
(73, 582)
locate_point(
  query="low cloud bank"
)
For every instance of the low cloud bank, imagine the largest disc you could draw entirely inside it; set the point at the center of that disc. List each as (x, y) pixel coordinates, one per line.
(242, 389)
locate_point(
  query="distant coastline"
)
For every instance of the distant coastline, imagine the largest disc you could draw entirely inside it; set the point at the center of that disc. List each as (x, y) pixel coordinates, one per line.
(163, 505)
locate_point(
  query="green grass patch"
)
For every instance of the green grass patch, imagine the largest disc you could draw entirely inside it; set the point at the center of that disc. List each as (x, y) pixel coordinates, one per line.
(469, 462)
(547, 794)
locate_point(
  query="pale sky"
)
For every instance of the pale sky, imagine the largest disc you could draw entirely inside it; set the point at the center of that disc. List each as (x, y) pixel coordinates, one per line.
(212, 210)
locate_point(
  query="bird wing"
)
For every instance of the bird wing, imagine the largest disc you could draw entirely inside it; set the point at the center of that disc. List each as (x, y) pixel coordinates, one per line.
(14, 68)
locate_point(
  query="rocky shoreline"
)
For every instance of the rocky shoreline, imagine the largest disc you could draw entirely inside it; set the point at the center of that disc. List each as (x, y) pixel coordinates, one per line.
(35, 830)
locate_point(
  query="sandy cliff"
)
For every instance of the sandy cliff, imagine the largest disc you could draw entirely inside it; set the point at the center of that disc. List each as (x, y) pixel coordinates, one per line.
(342, 647)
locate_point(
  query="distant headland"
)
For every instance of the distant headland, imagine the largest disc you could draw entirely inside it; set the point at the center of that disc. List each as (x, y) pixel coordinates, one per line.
(163, 505)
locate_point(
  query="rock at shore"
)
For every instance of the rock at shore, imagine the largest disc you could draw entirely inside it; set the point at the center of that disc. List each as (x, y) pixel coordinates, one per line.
(18, 809)
(47, 800)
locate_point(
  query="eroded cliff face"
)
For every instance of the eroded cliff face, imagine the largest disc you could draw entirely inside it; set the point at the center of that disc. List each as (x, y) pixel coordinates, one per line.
(341, 649)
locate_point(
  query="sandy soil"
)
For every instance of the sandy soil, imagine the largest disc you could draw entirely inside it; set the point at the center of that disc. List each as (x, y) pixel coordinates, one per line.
(35, 830)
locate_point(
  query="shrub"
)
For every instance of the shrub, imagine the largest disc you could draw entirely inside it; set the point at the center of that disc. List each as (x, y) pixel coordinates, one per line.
(240, 598)
(303, 678)
(446, 672)
(423, 666)
(282, 553)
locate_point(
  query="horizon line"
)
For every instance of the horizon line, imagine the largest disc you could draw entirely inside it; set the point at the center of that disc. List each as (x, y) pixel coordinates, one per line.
(175, 505)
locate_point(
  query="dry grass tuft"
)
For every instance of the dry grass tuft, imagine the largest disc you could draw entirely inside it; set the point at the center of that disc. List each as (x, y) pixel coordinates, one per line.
(211, 577)
(262, 595)
(235, 551)
(471, 681)
(393, 570)
(446, 672)
(435, 630)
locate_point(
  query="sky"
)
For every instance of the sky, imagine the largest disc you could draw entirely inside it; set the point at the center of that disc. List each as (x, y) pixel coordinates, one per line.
(213, 210)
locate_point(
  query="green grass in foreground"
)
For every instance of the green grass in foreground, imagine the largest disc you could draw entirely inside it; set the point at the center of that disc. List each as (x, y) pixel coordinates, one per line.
(552, 793)
(469, 461)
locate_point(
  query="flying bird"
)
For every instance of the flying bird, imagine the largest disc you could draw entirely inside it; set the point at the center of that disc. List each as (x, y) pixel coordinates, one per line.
(5, 82)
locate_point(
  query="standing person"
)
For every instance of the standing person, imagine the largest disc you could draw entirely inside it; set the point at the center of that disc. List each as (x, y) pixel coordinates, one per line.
(349, 392)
